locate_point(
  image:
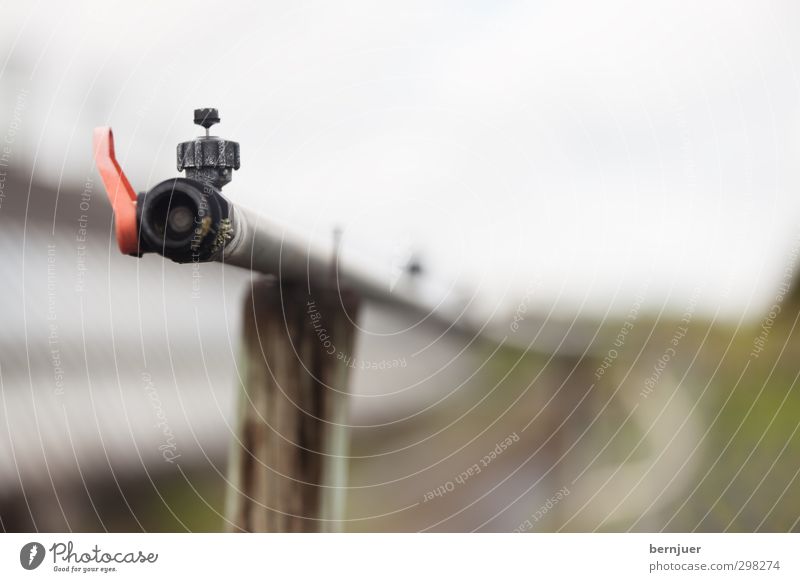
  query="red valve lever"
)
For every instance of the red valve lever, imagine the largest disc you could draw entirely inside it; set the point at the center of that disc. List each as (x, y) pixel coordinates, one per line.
(119, 190)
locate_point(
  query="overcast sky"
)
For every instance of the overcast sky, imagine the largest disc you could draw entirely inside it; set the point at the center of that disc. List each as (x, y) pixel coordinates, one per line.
(585, 152)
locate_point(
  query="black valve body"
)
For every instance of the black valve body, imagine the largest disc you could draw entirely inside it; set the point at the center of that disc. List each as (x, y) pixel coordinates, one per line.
(185, 220)
(188, 219)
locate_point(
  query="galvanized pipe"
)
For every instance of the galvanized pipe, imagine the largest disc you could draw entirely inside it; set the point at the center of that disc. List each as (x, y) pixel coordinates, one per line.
(262, 245)
(236, 235)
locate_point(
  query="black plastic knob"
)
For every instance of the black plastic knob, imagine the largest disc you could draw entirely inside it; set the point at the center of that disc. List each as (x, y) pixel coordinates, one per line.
(206, 117)
(208, 158)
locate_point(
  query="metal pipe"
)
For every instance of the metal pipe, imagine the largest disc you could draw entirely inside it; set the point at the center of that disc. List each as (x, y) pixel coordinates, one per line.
(193, 222)
(262, 245)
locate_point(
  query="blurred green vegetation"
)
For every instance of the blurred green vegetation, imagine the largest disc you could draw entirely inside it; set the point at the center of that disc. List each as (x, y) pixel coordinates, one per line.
(742, 463)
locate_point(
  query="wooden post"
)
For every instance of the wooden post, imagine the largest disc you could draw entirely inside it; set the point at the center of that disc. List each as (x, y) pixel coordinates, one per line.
(289, 462)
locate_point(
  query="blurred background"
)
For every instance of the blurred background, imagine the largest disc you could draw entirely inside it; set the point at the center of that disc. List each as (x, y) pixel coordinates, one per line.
(608, 189)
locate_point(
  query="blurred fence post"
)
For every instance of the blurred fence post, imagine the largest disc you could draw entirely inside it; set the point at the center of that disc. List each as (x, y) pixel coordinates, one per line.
(289, 463)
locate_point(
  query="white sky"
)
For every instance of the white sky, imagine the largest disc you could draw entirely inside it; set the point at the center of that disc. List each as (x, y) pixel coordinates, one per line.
(582, 150)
